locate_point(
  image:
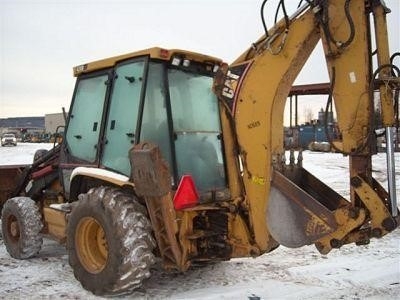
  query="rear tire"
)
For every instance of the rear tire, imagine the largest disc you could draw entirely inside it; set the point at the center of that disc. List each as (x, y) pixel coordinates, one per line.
(21, 224)
(109, 242)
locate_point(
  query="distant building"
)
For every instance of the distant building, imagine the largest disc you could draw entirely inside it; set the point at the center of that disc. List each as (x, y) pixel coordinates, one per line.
(20, 124)
(52, 121)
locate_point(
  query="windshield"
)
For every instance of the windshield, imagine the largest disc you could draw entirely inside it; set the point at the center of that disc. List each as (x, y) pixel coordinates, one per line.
(9, 135)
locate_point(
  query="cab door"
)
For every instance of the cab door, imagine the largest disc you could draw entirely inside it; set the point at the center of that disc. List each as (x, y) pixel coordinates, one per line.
(85, 117)
(123, 114)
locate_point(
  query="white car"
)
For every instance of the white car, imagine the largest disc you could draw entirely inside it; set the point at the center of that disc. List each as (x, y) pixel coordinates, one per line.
(9, 139)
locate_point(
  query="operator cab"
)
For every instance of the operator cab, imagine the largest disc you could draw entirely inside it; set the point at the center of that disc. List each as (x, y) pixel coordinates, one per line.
(156, 95)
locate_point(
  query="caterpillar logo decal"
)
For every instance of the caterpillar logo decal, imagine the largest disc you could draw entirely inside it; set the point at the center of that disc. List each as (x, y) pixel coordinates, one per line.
(227, 83)
(230, 85)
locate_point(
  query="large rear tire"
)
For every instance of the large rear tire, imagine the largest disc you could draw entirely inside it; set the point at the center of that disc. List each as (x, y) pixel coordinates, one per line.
(109, 242)
(21, 223)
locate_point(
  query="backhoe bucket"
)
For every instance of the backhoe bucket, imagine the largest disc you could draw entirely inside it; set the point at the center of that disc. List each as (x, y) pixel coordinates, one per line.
(9, 178)
(301, 208)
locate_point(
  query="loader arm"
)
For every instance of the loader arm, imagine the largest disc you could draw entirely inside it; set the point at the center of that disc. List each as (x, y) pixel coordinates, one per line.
(287, 204)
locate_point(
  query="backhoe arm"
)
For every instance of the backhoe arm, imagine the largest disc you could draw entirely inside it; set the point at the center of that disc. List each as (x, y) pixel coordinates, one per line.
(287, 204)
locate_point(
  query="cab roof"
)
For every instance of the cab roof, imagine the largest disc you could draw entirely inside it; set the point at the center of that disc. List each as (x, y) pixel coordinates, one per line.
(155, 53)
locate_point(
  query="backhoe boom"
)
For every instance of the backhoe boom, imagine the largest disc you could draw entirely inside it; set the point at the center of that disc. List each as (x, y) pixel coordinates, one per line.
(254, 90)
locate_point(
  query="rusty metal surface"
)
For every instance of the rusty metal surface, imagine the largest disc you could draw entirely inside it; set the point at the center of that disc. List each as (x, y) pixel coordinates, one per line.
(301, 197)
(50, 158)
(153, 182)
(9, 177)
(315, 187)
(324, 88)
(165, 228)
(311, 89)
(149, 171)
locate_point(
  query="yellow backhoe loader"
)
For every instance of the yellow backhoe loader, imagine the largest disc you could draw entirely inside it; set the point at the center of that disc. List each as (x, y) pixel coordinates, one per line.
(176, 155)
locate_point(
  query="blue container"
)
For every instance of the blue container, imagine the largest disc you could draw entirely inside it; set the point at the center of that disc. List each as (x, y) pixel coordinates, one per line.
(306, 135)
(320, 135)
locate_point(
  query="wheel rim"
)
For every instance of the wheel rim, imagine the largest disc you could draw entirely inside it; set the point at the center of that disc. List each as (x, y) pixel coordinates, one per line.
(13, 228)
(91, 245)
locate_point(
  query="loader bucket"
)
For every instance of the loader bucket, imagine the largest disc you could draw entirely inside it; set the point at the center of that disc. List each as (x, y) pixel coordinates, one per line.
(9, 178)
(301, 208)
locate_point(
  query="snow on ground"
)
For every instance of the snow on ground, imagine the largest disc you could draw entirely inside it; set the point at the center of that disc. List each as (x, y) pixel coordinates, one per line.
(22, 154)
(352, 272)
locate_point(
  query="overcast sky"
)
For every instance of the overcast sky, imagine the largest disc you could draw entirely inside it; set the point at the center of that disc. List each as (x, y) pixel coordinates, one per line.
(42, 40)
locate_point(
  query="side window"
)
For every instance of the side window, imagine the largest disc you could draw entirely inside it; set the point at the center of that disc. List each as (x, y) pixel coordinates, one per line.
(85, 117)
(123, 115)
(154, 123)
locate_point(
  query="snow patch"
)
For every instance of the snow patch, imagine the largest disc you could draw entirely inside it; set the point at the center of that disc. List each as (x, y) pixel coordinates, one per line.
(352, 272)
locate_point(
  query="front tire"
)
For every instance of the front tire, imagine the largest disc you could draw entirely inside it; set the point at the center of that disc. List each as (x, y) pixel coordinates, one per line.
(109, 242)
(21, 224)
(38, 154)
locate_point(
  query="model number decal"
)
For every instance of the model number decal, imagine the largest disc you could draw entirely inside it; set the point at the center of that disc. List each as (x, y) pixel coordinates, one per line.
(254, 124)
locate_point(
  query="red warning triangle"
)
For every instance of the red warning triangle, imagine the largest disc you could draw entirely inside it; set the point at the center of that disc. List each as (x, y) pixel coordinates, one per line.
(186, 195)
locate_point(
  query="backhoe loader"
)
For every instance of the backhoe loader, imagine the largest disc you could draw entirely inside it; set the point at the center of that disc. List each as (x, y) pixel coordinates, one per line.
(175, 155)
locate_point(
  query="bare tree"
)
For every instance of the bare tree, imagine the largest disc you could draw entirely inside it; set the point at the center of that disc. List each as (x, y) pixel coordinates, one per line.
(308, 114)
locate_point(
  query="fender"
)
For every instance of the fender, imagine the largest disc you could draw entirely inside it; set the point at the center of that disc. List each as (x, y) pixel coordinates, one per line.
(106, 176)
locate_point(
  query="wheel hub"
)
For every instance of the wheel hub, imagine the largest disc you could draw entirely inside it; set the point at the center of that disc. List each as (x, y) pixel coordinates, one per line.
(13, 228)
(91, 245)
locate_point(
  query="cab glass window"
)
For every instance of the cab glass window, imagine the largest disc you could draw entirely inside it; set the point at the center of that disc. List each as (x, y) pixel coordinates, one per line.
(197, 129)
(123, 115)
(155, 124)
(85, 117)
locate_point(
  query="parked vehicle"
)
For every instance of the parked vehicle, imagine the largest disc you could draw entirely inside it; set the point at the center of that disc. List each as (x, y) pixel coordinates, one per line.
(9, 139)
